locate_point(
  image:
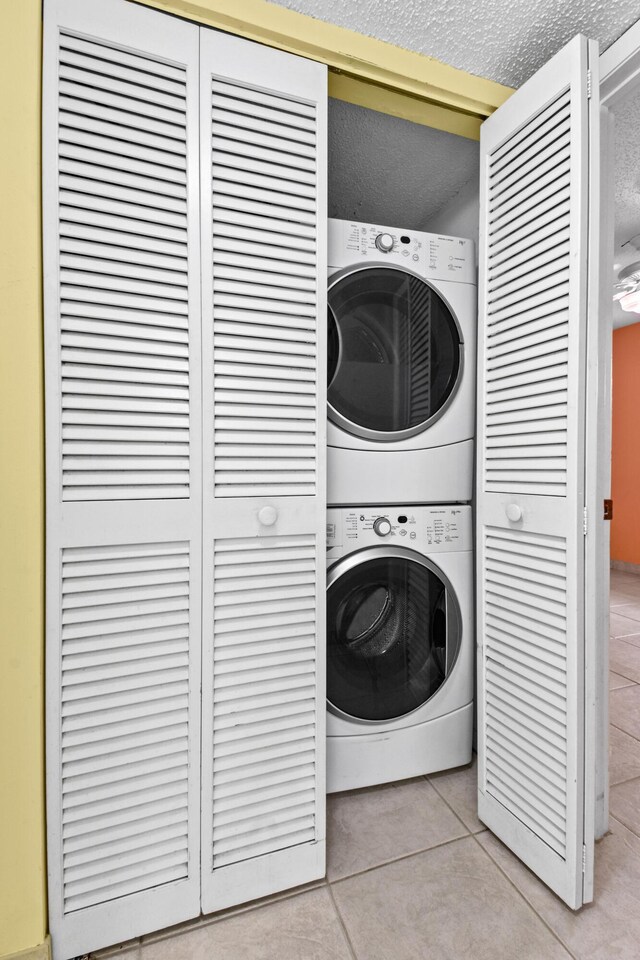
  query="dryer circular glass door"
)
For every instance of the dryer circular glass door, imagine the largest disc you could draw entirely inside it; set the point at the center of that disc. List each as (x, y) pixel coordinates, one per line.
(394, 353)
(393, 633)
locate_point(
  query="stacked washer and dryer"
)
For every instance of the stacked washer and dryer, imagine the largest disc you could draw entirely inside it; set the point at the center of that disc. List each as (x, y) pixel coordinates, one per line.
(401, 393)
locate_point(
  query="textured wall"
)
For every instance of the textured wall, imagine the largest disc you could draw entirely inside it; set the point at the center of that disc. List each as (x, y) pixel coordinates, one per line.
(625, 446)
(390, 171)
(503, 40)
(461, 216)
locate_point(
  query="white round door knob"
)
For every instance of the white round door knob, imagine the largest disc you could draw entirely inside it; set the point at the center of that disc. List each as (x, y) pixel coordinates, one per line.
(384, 242)
(514, 512)
(267, 516)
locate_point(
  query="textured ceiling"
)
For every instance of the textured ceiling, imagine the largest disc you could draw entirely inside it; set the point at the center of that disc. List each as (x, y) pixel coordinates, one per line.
(389, 171)
(503, 40)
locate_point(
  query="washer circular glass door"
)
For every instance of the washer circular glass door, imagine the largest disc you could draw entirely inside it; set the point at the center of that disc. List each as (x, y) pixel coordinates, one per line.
(394, 353)
(393, 633)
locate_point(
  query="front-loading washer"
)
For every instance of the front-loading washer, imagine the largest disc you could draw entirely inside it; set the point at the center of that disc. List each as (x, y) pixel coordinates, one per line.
(399, 642)
(402, 318)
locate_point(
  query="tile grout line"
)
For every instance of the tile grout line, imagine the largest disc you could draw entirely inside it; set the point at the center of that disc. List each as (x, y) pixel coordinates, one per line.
(632, 683)
(620, 782)
(523, 896)
(404, 856)
(625, 825)
(622, 730)
(612, 816)
(446, 802)
(347, 935)
(617, 816)
(209, 919)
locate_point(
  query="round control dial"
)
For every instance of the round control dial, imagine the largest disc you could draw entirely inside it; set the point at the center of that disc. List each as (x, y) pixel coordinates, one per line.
(382, 526)
(384, 242)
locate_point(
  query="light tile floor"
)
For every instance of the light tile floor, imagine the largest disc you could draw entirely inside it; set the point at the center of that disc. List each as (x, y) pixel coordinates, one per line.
(413, 875)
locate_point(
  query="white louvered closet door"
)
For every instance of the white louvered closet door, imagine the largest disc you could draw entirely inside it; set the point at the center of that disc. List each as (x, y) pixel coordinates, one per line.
(263, 190)
(122, 334)
(538, 234)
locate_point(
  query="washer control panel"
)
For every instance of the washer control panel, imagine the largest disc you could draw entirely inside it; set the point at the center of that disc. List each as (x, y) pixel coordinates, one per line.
(427, 529)
(428, 254)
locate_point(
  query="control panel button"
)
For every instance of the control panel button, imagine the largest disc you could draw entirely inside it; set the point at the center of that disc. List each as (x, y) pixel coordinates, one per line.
(384, 242)
(382, 526)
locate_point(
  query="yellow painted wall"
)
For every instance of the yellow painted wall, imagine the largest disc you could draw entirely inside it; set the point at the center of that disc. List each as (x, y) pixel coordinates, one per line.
(23, 916)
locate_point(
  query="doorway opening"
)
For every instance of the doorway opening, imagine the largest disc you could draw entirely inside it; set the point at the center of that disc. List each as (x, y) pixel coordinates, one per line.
(620, 96)
(624, 625)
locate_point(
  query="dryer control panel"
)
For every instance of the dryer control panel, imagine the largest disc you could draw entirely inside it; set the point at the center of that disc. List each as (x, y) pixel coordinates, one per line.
(426, 529)
(430, 255)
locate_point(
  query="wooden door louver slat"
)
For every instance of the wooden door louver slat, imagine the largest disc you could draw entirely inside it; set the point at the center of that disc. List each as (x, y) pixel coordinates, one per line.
(123, 312)
(536, 226)
(262, 367)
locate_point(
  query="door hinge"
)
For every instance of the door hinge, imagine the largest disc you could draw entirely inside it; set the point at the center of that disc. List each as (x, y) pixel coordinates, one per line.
(608, 510)
(584, 858)
(584, 521)
(588, 84)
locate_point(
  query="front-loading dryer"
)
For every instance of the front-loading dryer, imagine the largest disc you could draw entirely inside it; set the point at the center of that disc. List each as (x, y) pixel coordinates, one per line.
(402, 311)
(399, 642)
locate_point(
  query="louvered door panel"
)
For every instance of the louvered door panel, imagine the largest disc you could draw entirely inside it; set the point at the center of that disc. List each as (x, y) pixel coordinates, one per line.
(125, 719)
(265, 298)
(536, 153)
(527, 352)
(263, 187)
(526, 692)
(124, 323)
(123, 407)
(264, 696)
